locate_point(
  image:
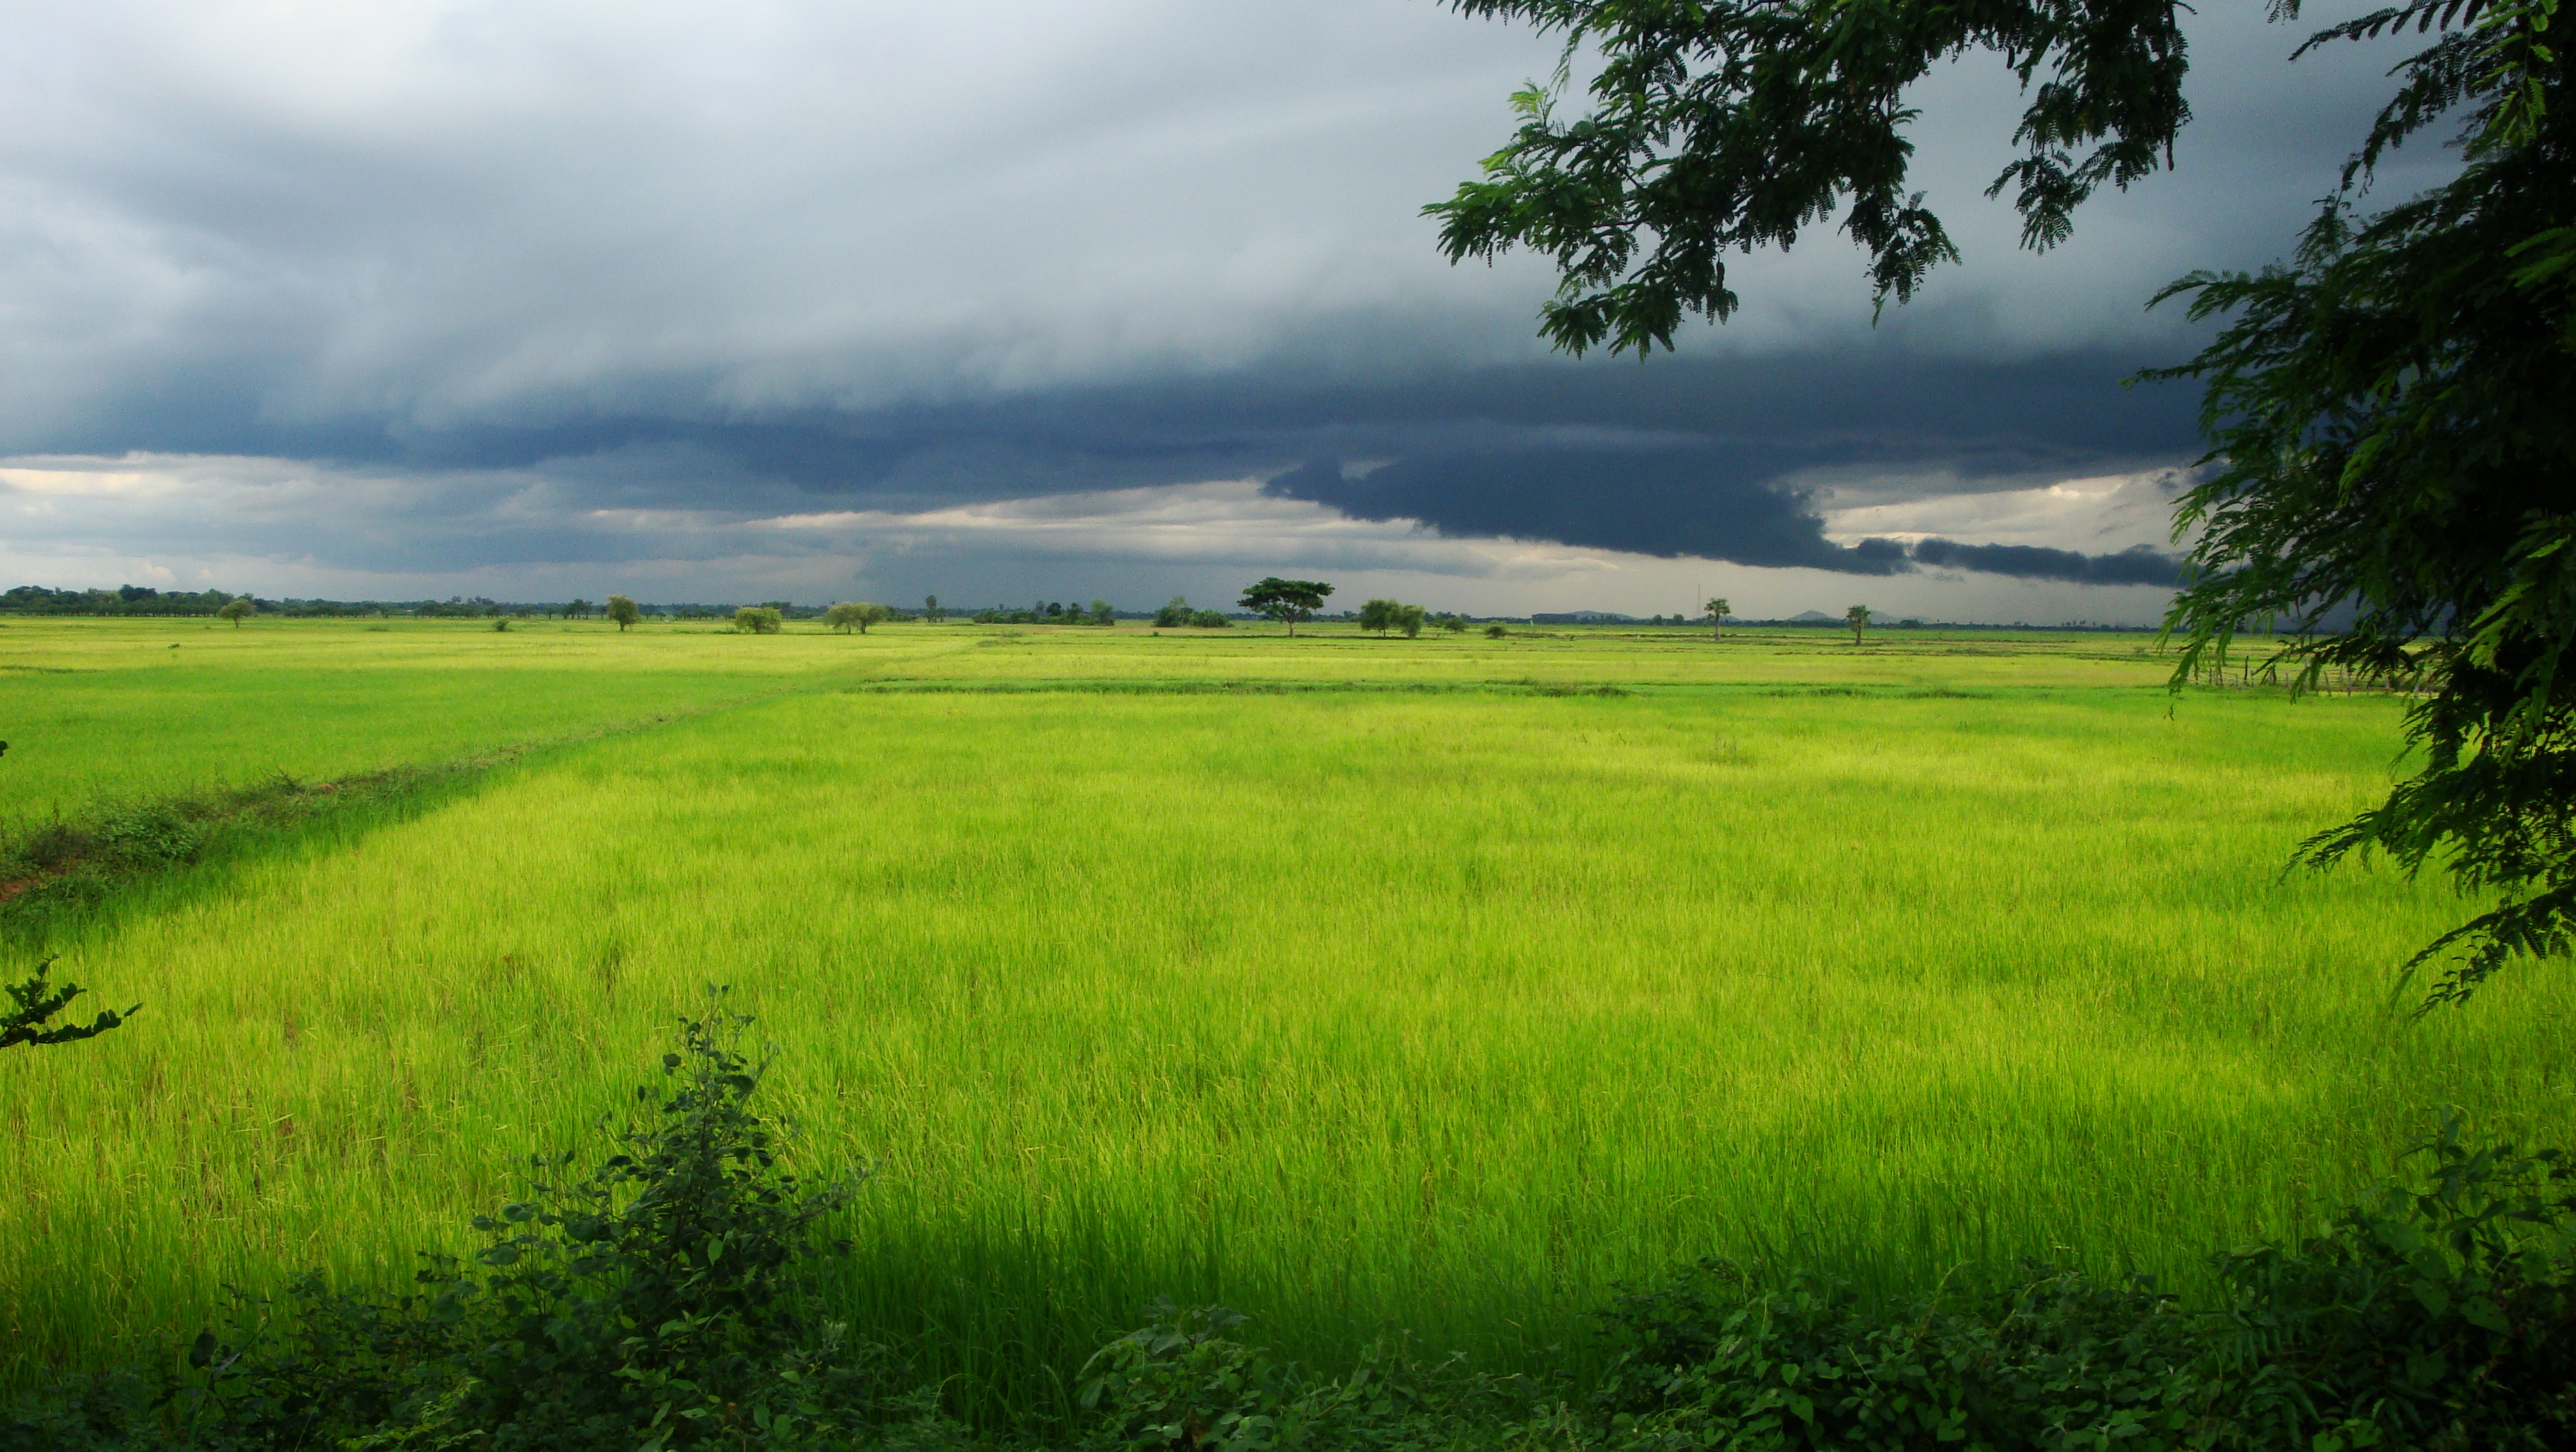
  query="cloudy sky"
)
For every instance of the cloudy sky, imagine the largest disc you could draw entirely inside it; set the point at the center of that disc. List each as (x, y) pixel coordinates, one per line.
(1020, 300)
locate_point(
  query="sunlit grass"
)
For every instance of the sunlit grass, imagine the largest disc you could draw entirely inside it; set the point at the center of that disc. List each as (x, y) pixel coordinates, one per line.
(1355, 1009)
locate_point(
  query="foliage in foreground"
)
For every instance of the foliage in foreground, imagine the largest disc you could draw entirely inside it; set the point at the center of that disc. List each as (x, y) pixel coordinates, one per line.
(666, 1300)
(2390, 441)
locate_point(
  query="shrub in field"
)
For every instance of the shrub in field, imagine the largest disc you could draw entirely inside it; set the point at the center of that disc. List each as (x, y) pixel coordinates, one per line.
(2441, 1315)
(147, 836)
(758, 620)
(660, 1301)
(1385, 615)
(624, 611)
(1182, 1382)
(861, 614)
(1176, 613)
(237, 610)
(1495, 632)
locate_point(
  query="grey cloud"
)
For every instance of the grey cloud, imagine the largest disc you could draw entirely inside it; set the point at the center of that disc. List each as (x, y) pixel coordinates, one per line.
(224, 220)
(2138, 565)
(1695, 463)
(1651, 501)
(512, 265)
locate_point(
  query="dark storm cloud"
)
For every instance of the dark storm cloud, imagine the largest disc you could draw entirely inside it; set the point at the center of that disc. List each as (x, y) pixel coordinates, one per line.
(1651, 501)
(1696, 464)
(2139, 565)
(1680, 457)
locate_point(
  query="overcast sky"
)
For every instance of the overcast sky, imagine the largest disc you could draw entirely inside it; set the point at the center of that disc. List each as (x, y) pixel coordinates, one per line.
(1016, 300)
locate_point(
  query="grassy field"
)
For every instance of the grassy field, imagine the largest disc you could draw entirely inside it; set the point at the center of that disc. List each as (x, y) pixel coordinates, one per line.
(1359, 984)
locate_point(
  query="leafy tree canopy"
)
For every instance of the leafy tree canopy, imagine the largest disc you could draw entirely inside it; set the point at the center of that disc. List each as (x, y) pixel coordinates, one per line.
(2388, 410)
(1287, 601)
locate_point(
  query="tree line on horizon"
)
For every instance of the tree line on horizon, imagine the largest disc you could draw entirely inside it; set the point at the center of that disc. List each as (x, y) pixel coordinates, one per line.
(1377, 616)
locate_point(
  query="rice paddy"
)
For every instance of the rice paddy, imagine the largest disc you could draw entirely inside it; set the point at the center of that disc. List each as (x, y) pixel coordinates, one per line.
(1363, 985)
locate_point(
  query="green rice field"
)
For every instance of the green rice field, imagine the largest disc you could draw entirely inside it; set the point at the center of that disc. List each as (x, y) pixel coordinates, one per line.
(1363, 985)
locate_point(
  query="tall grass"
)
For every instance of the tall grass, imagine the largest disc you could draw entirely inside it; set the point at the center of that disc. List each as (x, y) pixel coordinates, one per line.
(99, 712)
(1358, 1010)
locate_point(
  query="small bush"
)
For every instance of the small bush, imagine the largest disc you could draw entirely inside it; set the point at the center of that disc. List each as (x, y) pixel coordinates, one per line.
(1495, 632)
(148, 837)
(1177, 614)
(661, 1301)
(758, 620)
(2441, 1315)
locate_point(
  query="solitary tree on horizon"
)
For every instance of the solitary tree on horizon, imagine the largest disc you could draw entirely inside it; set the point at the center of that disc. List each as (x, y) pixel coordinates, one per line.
(1287, 601)
(1857, 618)
(235, 609)
(623, 611)
(1718, 610)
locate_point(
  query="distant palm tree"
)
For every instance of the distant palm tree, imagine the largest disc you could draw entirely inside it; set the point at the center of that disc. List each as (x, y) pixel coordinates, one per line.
(1857, 618)
(1718, 610)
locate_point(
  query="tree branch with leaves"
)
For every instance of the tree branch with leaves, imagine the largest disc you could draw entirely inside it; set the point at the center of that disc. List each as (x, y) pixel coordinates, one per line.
(2391, 434)
(34, 1004)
